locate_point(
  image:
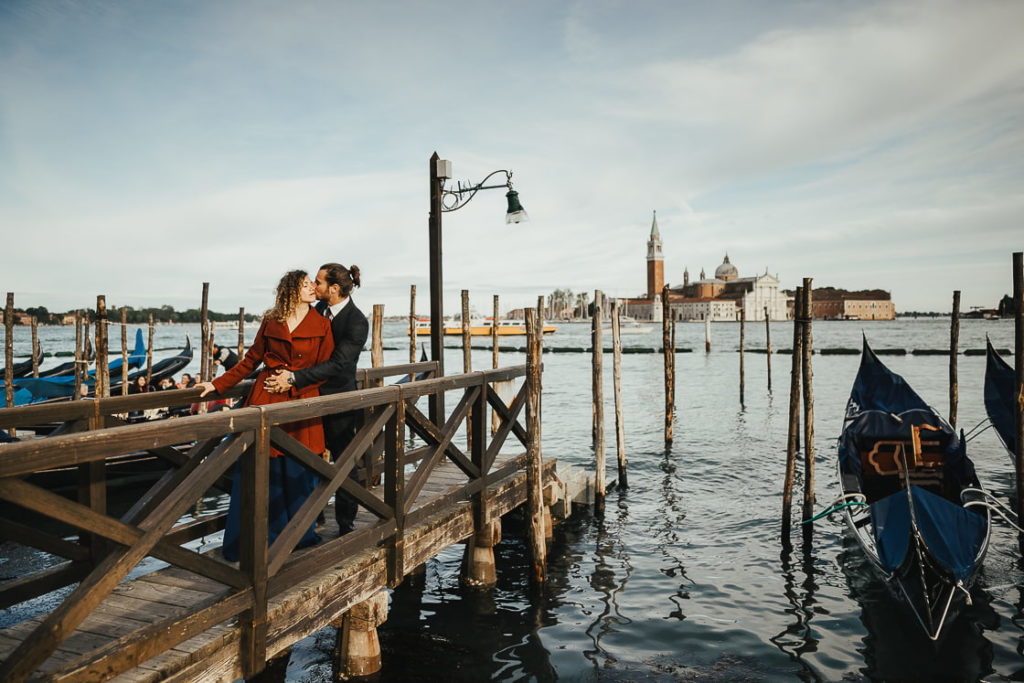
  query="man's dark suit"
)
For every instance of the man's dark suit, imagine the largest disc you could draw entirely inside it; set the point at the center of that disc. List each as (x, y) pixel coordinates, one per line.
(338, 374)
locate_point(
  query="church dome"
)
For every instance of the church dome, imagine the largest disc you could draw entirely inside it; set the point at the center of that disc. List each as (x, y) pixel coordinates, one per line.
(726, 271)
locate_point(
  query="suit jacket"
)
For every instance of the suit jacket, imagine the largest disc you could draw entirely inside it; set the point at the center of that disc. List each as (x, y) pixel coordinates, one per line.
(350, 329)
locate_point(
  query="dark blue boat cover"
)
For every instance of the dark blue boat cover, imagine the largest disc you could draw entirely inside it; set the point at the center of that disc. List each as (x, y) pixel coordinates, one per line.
(952, 534)
(999, 398)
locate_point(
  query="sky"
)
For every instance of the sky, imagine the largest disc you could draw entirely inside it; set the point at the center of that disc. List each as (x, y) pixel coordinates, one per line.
(149, 147)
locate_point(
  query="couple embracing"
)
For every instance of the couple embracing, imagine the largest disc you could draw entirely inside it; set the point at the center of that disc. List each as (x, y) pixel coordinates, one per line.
(306, 351)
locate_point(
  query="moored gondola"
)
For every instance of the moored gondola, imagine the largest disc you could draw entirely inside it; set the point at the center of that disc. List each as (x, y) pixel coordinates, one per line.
(24, 368)
(909, 490)
(1000, 398)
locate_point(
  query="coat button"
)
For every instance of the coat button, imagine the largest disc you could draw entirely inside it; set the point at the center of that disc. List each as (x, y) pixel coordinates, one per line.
(300, 355)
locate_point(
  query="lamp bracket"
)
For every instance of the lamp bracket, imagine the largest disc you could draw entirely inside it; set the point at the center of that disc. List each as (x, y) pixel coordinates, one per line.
(455, 199)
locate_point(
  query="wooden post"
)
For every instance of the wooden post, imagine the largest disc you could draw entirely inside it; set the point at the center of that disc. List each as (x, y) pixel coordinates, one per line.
(707, 333)
(620, 430)
(241, 332)
(954, 342)
(534, 465)
(793, 441)
(124, 351)
(807, 373)
(149, 352)
(467, 350)
(9, 352)
(668, 353)
(204, 335)
(79, 359)
(1018, 363)
(377, 343)
(102, 359)
(35, 346)
(357, 648)
(89, 352)
(768, 345)
(494, 334)
(412, 323)
(743, 337)
(597, 395)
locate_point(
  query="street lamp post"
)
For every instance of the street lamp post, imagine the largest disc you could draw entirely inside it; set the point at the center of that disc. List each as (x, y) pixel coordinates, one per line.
(444, 200)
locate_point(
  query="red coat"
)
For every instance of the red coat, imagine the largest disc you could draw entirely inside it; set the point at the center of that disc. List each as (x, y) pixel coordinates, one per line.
(307, 345)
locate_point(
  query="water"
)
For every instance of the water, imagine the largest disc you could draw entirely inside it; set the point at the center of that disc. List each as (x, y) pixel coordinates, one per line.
(684, 578)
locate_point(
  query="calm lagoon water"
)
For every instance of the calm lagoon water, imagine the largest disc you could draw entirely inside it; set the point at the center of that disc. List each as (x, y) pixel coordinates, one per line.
(684, 578)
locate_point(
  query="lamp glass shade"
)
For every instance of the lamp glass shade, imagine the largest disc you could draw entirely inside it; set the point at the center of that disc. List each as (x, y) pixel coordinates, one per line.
(516, 213)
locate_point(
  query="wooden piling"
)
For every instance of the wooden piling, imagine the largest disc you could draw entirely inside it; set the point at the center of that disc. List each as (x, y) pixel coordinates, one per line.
(412, 323)
(707, 333)
(668, 354)
(534, 472)
(620, 430)
(597, 392)
(807, 372)
(743, 336)
(35, 346)
(102, 359)
(79, 356)
(204, 335)
(1018, 364)
(241, 332)
(357, 647)
(149, 352)
(954, 341)
(89, 351)
(467, 338)
(494, 334)
(377, 343)
(9, 351)
(124, 351)
(793, 440)
(768, 346)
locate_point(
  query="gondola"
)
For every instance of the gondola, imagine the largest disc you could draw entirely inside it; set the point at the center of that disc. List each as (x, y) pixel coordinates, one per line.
(909, 491)
(1000, 399)
(24, 368)
(136, 358)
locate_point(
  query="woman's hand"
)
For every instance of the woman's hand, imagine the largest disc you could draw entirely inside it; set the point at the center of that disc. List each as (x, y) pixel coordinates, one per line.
(207, 388)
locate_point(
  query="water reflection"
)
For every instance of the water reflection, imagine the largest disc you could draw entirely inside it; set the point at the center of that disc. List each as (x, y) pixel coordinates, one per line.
(610, 553)
(896, 649)
(667, 534)
(798, 639)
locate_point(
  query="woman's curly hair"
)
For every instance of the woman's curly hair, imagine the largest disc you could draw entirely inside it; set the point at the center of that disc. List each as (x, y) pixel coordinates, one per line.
(287, 298)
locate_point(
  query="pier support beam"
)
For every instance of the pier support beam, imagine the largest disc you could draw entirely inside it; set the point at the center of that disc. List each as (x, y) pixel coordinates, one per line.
(357, 649)
(479, 569)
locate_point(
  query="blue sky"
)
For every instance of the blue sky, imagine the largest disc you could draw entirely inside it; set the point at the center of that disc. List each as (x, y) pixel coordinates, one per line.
(151, 146)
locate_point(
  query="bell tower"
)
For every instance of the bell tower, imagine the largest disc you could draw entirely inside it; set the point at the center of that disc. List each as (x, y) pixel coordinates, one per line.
(655, 261)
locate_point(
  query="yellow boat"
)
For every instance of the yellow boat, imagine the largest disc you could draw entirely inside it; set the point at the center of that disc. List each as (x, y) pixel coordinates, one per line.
(480, 328)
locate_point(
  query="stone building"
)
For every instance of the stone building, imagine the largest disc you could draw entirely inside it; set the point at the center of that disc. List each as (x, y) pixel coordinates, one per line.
(829, 303)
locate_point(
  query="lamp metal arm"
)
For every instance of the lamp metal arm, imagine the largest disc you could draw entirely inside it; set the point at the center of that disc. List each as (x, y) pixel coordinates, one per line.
(453, 200)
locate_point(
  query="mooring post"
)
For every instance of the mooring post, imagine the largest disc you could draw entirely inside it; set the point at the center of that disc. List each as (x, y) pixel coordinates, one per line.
(534, 466)
(412, 323)
(149, 352)
(241, 332)
(807, 372)
(377, 341)
(35, 346)
(954, 341)
(768, 345)
(467, 340)
(620, 430)
(479, 569)
(707, 333)
(793, 441)
(9, 352)
(79, 361)
(743, 336)
(102, 360)
(204, 335)
(89, 352)
(542, 313)
(124, 351)
(1018, 365)
(494, 334)
(597, 394)
(357, 648)
(668, 356)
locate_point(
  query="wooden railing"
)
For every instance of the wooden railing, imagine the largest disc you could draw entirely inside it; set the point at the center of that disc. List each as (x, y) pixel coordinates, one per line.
(110, 547)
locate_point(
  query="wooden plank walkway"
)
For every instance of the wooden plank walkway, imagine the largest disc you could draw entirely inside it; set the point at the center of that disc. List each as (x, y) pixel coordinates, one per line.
(156, 598)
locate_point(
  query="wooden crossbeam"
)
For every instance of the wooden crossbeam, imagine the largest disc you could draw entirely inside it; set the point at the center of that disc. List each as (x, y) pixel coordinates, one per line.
(505, 414)
(421, 425)
(422, 473)
(26, 535)
(509, 421)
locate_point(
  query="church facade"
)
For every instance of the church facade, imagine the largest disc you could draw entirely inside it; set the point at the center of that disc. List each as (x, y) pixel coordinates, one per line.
(719, 298)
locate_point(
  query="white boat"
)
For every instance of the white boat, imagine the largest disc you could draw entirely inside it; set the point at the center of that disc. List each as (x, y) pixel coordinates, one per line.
(628, 325)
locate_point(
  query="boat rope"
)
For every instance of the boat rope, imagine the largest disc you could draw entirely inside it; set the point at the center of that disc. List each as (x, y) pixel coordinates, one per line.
(981, 431)
(844, 500)
(991, 503)
(970, 432)
(967, 593)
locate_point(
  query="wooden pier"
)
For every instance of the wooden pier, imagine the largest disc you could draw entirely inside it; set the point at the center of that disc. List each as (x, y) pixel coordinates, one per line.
(200, 617)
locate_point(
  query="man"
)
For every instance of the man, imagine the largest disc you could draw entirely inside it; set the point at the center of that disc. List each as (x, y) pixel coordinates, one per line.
(222, 355)
(334, 283)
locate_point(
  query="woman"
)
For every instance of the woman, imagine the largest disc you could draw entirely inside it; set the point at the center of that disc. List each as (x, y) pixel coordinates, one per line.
(293, 336)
